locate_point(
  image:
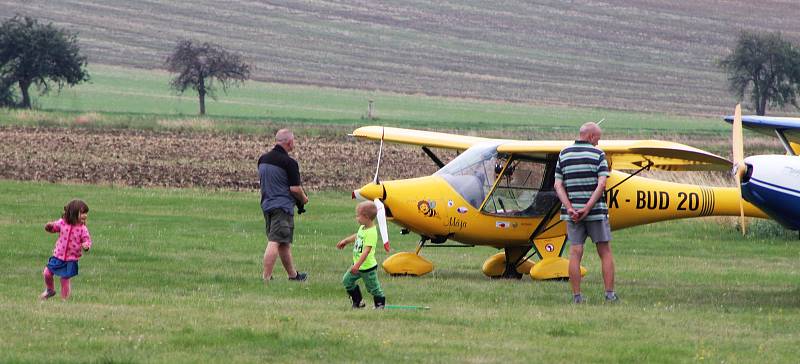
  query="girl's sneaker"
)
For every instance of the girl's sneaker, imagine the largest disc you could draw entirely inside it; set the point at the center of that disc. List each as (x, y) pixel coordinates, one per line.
(47, 294)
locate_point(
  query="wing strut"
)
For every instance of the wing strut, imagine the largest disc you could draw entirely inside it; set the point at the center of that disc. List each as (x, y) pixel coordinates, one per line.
(647, 167)
(785, 142)
(556, 209)
(433, 157)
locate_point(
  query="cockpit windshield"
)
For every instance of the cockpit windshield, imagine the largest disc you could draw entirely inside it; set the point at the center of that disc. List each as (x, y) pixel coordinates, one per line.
(472, 174)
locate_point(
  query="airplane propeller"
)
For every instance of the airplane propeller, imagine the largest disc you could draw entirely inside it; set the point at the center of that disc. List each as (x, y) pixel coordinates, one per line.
(381, 216)
(739, 168)
(382, 223)
(380, 154)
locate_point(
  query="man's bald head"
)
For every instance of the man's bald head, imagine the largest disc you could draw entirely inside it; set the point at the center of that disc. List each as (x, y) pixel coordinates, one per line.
(590, 132)
(285, 138)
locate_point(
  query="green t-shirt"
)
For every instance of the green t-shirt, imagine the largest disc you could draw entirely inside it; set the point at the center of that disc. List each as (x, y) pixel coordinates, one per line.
(366, 237)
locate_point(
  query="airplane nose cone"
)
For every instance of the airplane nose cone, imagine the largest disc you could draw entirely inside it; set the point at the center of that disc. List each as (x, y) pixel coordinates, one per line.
(370, 192)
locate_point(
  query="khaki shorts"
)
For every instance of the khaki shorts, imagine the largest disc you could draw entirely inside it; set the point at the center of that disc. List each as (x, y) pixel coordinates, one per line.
(599, 230)
(279, 226)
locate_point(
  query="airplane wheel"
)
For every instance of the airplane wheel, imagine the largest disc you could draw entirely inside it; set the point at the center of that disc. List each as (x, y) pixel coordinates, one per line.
(553, 268)
(495, 266)
(405, 263)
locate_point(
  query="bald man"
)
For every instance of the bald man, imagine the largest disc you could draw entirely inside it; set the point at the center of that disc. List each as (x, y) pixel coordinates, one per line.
(580, 182)
(281, 190)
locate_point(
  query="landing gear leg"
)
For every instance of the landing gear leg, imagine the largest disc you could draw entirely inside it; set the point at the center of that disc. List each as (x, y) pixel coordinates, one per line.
(421, 244)
(513, 256)
(511, 263)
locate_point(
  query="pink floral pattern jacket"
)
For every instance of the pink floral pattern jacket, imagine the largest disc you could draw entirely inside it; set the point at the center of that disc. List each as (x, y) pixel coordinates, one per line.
(72, 240)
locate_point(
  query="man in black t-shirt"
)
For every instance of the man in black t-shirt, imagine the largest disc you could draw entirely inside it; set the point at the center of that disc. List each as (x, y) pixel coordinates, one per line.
(281, 190)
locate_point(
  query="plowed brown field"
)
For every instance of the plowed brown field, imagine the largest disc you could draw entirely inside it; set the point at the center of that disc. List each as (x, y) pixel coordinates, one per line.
(191, 159)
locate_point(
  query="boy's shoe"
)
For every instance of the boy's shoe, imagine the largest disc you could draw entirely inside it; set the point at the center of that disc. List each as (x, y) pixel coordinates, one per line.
(47, 294)
(577, 299)
(611, 297)
(301, 276)
(355, 298)
(380, 302)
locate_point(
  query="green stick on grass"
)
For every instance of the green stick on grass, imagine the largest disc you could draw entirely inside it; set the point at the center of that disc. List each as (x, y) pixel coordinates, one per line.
(401, 307)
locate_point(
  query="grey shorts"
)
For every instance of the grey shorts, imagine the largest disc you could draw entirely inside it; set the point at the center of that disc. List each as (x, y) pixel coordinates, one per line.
(279, 226)
(599, 230)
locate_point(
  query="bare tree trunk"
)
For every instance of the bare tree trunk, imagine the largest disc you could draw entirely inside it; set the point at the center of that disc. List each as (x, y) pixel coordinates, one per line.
(761, 108)
(26, 97)
(201, 90)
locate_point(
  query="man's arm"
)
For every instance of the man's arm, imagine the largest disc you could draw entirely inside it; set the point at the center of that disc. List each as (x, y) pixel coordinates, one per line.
(299, 193)
(596, 195)
(562, 196)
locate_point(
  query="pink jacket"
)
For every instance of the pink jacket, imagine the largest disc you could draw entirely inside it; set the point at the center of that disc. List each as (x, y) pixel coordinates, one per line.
(71, 239)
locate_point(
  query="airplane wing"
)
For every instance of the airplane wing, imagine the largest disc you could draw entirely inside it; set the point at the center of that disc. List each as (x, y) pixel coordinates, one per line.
(421, 137)
(786, 129)
(622, 154)
(633, 154)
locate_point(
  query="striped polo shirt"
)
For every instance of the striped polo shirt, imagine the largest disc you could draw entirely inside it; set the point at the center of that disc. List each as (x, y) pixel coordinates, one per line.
(579, 165)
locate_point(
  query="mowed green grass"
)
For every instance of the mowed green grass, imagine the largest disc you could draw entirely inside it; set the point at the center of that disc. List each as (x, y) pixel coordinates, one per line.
(140, 98)
(174, 276)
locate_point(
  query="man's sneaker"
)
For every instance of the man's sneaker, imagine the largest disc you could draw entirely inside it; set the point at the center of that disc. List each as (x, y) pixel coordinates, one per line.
(47, 294)
(611, 297)
(577, 299)
(301, 276)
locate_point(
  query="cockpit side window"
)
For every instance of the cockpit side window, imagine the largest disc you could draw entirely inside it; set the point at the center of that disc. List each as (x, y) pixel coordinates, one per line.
(524, 189)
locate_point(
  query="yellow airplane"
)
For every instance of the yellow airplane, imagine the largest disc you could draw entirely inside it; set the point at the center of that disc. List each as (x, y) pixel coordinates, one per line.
(500, 193)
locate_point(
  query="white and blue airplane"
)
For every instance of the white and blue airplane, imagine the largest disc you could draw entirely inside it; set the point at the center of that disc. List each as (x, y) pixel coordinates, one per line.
(770, 182)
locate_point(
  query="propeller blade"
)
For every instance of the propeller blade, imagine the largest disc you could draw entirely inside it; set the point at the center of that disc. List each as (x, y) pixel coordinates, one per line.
(738, 160)
(382, 223)
(380, 154)
(738, 142)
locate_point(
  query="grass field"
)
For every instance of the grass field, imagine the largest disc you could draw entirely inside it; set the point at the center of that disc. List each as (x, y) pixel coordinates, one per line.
(174, 276)
(142, 99)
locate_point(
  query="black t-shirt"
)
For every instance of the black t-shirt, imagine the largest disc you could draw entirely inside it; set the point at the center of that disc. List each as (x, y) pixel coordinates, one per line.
(277, 172)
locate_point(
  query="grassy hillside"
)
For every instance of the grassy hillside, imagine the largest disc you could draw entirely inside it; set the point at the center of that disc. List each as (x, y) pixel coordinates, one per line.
(174, 276)
(145, 96)
(630, 55)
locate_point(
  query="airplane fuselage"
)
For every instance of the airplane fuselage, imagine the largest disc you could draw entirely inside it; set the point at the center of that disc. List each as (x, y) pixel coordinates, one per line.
(430, 207)
(773, 184)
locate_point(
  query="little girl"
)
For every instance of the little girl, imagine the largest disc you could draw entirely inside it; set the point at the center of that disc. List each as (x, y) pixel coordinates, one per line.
(73, 236)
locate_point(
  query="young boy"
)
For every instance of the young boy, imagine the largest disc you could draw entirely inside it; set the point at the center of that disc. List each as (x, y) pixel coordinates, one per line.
(364, 264)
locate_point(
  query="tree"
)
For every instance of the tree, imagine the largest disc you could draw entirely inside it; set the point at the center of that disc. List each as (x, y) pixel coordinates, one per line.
(7, 97)
(198, 67)
(767, 65)
(33, 53)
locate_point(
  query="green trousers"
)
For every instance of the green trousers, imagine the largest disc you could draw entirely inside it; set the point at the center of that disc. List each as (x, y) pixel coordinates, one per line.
(350, 282)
